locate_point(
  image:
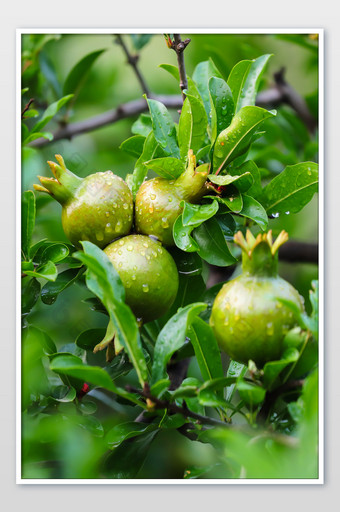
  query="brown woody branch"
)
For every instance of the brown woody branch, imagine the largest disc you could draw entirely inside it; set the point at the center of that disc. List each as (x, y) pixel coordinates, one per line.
(173, 408)
(179, 46)
(133, 60)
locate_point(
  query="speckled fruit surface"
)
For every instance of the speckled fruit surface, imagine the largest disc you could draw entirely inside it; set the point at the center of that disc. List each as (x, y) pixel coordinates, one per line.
(148, 273)
(158, 201)
(248, 319)
(100, 211)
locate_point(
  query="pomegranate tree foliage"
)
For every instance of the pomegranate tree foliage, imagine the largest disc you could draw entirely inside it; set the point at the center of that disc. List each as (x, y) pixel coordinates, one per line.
(109, 396)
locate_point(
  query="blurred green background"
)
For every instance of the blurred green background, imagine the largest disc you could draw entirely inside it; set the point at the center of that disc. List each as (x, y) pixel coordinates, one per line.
(47, 60)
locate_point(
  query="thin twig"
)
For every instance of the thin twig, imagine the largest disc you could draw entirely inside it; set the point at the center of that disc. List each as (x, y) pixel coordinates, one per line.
(132, 60)
(173, 408)
(179, 47)
(26, 108)
(129, 109)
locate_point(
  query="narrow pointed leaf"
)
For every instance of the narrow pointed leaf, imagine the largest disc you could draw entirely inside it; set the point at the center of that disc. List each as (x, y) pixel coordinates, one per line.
(28, 210)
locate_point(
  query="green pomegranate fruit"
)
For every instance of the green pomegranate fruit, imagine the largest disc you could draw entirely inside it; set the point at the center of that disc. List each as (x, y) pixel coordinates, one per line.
(158, 201)
(248, 318)
(98, 208)
(148, 273)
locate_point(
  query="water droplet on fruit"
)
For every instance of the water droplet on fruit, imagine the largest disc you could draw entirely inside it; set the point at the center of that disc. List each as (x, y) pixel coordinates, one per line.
(114, 205)
(134, 267)
(120, 252)
(142, 253)
(100, 236)
(146, 245)
(170, 199)
(133, 277)
(120, 264)
(287, 213)
(270, 329)
(165, 223)
(121, 242)
(129, 247)
(151, 209)
(145, 288)
(107, 214)
(118, 226)
(152, 196)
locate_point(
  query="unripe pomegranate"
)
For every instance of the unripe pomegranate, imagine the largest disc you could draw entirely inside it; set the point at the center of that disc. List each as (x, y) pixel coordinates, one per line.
(248, 318)
(148, 273)
(158, 201)
(98, 208)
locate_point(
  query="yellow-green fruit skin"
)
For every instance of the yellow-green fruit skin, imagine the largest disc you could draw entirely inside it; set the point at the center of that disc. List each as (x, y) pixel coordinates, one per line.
(249, 321)
(148, 273)
(157, 207)
(100, 211)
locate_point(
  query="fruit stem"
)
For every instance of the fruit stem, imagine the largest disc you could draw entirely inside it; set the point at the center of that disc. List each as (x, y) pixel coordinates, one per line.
(192, 182)
(64, 184)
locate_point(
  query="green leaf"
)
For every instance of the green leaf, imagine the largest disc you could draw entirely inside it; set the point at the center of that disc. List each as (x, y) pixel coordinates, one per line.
(212, 245)
(194, 215)
(50, 112)
(38, 135)
(74, 367)
(182, 237)
(235, 370)
(192, 126)
(51, 290)
(30, 292)
(79, 73)
(63, 393)
(203, 72)
(242, 181)
(236, 139)
(244, 80)
(234, 199)
(172, 337)
(88, 339)
(251, 393)
(55, 252)
(134, 145)
(189, 264)
(252, 209)
(126, 460)
(47, 271)
(140, 40)
(151, 150)
(143, 125)
(249, 167)
(28, 210)
(103, 280)
(167, 167)
(222, 106)
(190, 289)
(272, 369)
(123, 431)
(206, 350)
(292, 189)
(163, 127)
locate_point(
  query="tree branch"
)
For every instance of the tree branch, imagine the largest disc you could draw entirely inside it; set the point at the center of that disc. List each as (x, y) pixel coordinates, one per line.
(132, 60)
(173, 408)
(130, 109)
(179, 46)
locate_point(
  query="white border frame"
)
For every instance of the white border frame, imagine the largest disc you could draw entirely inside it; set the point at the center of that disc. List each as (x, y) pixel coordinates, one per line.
(321, 241)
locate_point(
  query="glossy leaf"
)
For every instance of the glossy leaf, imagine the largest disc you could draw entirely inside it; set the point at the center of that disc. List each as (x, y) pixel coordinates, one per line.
(28, 211)
(30, 293)
(251, 393)
(192, 126)
(206, 350)
(236, 139)
(51, 290)
(172, 337)
(173, 70)
(235, 370)
(203, 72)
(143, 125)
(249, 167)
(163, 127)
(242, 181)
(140, 40)
(48, 271)
(255, 211)
(212, 245)
(272, 369)
(55, 252)
(134, 145)
(194, 215)
(292, 189)
(50, 112)
(182, 237)
(88, 339)
(78, 74)
(151, 150)
(222, 104)
(244, 80)
(103, 280)
(123, 431)
(167, 167)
